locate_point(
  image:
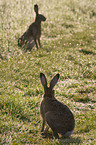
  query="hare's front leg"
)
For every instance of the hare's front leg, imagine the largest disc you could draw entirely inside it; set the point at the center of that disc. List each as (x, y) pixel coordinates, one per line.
(43, 124)
(35, 43)
(39, 42)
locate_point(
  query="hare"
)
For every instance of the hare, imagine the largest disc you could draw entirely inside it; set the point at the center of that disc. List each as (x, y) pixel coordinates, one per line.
(56, 114)
(34, 30)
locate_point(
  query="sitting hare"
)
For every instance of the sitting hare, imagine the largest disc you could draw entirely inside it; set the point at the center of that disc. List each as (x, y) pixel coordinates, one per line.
(34, 30)
(56, 114)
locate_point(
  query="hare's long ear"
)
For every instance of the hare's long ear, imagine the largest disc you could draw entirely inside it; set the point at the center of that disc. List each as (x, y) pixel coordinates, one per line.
(54, 81)
(43, 80)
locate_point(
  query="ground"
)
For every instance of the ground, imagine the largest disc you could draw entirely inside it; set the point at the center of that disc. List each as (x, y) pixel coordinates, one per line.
(69, 48)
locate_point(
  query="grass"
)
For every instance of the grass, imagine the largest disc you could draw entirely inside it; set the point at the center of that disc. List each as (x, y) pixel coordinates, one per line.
(69, 48)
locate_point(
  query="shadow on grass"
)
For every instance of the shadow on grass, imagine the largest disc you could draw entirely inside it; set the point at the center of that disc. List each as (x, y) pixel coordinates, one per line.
(86, 52)
(1, 56)
(25, 49)
(70, 140)
(63, 140)
(47, 135)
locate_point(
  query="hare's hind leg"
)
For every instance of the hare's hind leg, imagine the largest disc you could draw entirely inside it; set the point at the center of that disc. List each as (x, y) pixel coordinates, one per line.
(30, 43)
(46, 129)
(24, 38)
(49, 119)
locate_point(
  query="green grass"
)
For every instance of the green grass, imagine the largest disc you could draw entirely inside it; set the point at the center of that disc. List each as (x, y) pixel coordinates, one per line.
(69, 48)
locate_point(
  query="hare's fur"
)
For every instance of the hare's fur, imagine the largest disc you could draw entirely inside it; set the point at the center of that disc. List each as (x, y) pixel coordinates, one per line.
(33, 33)
(54, 113)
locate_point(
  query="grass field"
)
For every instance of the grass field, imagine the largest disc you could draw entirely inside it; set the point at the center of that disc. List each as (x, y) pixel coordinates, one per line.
(69, 48)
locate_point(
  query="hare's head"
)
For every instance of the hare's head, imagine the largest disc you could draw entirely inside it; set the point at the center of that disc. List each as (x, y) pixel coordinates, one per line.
(36, 8)
(49, 92)
(40, 18)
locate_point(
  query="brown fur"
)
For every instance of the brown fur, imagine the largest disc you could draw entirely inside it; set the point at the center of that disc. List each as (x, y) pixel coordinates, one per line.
(34, 30)
(56, 114)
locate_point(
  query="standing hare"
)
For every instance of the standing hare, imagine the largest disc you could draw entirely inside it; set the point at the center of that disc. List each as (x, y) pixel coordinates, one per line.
(56, 114)
(34, 30)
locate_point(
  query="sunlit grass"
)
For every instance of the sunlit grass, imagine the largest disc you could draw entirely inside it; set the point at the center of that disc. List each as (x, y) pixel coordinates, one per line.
(69, 48)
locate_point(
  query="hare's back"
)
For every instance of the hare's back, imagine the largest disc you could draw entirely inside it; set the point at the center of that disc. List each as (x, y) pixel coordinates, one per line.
(51, 104)
(34, 30)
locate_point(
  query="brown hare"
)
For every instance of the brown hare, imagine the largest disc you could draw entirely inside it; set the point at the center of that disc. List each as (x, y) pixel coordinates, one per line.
(34, 30)
(55, 114)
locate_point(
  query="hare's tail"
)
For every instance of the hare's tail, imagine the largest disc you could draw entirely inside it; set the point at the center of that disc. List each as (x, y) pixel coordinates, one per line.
(67, 134)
